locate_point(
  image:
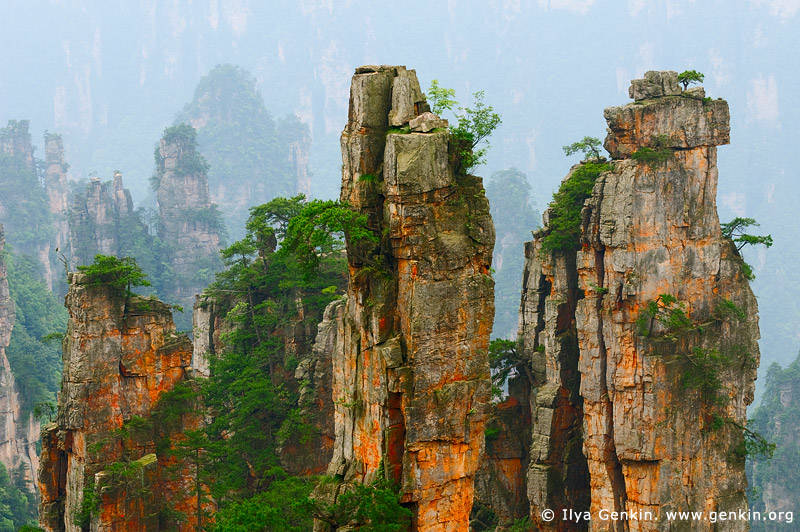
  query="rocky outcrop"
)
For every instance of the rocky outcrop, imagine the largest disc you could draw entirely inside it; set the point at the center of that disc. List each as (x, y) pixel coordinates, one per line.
(18, 433)
(411, 383)
(24, 205)
(101, 219)
(314, 374)
(57, 189)
(122, 357)
(643, 341)
(189, 223)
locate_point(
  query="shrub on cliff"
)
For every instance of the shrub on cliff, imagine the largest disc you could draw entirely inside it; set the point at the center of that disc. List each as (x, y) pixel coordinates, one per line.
(564, 226)
(735, 230)
(277, 277)
(689, 77)
(588, 146)
(475, 124)
(119, 274)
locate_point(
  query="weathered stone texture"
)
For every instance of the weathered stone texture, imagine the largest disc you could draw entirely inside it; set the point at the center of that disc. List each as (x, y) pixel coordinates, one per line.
(118, 362)
(648, 229)
(411, 384)
(680, 120)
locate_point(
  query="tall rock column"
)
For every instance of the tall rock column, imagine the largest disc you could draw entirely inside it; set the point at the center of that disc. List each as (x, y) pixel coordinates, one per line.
(655, 312)
(189, 224)
(121, 356)
(57, 189)
(411, 382)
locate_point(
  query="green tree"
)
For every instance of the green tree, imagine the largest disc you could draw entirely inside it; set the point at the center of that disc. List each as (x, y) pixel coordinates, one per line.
(588, 146)
(735, 230)
(284, 506)
(474, 124)
(119, 274)
(690, 77)
(506, 359)
(369, 508)
(441, 99)
(282, 269)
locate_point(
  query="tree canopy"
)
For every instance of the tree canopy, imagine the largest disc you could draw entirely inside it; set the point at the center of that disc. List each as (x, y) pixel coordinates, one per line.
(120, 274)
(690, 77)
(588, 146)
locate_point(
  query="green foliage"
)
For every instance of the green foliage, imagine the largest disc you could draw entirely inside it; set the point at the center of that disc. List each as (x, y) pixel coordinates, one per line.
(735, 230)
(368, 178)
(321, 228)
(440, 98)
(35, 361)
(290, 253)
(703, 374)
(690, 77)
(491, 433)
(119, 274)
(522, 525)
(369, 508)
(474, 125)
(588, 146)
(284, 506)
(17, 504)
(650, 155)
(90, 504)
(669, 313)
(505, 359)
(26, 214)
(184, 135)
(190, 161)
(563, 230)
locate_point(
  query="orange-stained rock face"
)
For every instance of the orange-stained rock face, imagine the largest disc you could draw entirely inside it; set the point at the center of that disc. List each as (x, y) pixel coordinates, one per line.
(649, 441)
(410, 371)
(118, 363)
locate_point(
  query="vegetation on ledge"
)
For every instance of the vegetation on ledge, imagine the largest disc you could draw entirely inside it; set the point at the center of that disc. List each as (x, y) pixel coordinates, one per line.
(563, 229)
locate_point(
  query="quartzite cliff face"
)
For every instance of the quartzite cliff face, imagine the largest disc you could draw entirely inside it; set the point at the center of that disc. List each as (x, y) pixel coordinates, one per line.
(411, 383)
(120, 358)
(618, 421)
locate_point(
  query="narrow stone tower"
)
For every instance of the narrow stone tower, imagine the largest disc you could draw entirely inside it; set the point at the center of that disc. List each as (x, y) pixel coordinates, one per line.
(411, 382)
